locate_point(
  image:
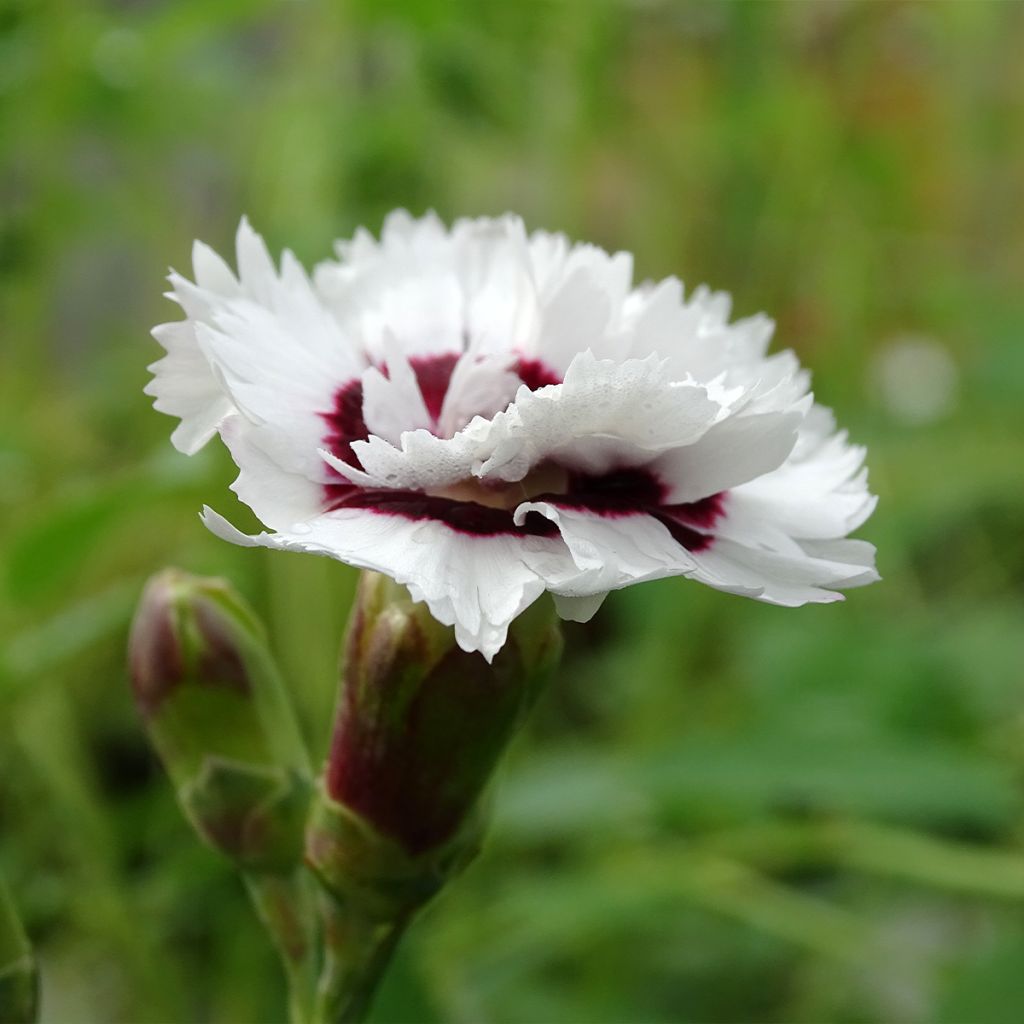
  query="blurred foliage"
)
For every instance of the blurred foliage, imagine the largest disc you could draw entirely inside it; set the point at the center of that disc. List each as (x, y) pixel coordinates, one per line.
(724, 811)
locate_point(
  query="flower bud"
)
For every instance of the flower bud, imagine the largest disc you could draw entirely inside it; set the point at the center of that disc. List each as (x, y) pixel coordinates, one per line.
(420, 728)
(217, 713)
(19, 979)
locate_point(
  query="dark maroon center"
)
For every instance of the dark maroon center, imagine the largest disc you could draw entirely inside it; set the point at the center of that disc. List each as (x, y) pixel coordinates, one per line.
(433, 375)
(630, 492)
(345, 422)
(615, 494)
(534, 374)
(469, 517)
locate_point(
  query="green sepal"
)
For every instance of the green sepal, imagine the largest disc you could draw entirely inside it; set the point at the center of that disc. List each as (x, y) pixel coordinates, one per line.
(253, 814)
(361, 866)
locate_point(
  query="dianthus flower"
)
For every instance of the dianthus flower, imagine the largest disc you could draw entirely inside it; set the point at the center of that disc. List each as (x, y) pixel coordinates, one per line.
(484, 414)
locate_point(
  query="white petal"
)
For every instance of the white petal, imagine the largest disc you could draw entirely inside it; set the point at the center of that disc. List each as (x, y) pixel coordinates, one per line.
(502, 309)
(256, 270)
(732, 452)
(548, 253)
(604, 416)
(281, 363)
(435, 291)
(576, 319)
(695, 334)
(264, 344)
(212, 273)
(393, 404)
(272, 386)
(611, 552)
(821, 495)
(479, 386)
(423, 461)
(419, 308)
(351, 473)
(790, 579)
(858, 554)
(422, 234)
(278, 497)
(184, 386)
(476, 584)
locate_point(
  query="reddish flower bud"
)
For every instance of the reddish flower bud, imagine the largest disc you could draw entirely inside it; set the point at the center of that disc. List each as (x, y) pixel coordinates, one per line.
(219, 718)
(420, 728)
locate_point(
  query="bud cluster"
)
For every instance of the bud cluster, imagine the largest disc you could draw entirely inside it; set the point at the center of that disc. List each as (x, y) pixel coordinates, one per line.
(420, 727)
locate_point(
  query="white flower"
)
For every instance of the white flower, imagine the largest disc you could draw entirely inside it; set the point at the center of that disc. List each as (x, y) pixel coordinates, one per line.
(484, 415)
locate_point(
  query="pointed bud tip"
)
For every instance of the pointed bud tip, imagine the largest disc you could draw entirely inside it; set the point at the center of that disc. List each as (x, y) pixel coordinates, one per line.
(155, 658)
(186, 628)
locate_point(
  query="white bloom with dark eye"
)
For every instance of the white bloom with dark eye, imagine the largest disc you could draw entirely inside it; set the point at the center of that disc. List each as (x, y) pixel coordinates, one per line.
(485, 414)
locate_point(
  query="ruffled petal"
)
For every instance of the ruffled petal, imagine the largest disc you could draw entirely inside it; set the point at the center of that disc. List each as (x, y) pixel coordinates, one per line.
(423, 461)
(280, 497)
(479, 386)
(434, 291)
(611, 552)
(858, 554)
(185, 386)
(792, 579)
(577, 318)
(478, 585)
(605, 415)
(502, 311)
(821, 495)
(730, 453)
(263, 344)
(393, 404)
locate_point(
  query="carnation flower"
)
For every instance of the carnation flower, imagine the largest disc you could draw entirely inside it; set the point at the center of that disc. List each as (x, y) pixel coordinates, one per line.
(484, 414)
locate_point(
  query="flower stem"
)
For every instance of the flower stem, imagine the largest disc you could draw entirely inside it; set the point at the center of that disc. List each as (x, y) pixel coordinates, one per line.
(19, 980)
(357, 950)
(286, 906)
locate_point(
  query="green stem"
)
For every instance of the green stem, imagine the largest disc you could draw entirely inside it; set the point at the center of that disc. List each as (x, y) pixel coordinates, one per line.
(286, 906)
(357, 950)
(19, 979)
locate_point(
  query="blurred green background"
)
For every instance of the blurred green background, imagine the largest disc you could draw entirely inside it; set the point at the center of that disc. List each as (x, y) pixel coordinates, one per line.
(723, 811)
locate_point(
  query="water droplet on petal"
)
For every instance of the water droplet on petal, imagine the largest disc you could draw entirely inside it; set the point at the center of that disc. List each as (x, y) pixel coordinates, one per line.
(301, 528)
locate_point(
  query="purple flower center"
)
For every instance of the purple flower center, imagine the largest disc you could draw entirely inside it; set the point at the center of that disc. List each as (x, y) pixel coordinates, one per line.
(345, 423)
(433, 374)
(615, 494)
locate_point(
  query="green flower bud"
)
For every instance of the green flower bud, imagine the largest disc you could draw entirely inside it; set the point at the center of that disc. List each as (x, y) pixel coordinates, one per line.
(217, 713)
(19, 979)
(420, 728)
